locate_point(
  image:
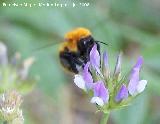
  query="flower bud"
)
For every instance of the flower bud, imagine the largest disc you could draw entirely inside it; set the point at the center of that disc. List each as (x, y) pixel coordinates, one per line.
(117, 70)
(122, 93)
(105, 66)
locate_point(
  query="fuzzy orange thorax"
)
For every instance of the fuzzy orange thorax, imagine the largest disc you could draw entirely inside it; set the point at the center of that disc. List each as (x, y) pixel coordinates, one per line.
(74, 36)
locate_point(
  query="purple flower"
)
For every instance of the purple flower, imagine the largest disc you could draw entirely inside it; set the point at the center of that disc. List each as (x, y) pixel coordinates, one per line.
(85, 80)
(101, 94)
(135, 86)
(93, 71)
(122, 93)
(95, 58)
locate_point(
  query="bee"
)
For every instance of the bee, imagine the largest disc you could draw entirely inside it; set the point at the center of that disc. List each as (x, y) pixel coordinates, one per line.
(74, 51)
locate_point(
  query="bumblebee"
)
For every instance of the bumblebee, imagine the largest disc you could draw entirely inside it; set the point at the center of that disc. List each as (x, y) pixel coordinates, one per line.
(75, 50)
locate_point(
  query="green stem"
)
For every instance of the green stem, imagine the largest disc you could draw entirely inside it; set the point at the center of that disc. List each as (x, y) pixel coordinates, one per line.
(104, 118)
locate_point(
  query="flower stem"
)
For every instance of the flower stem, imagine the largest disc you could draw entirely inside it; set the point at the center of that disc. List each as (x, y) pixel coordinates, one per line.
(104, 118)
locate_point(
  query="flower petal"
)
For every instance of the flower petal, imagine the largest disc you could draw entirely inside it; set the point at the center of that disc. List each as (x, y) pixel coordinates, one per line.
(139, 62)
(105, 59)
(118, 65)
(95, 58)
(79, 81)
(101, 91)
(141, 86)
(86, 74)
(122, 93)
(97, 100)
(134, 77)
(106, 71)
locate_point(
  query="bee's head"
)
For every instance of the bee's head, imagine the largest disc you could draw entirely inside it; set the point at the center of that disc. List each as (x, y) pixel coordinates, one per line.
(76, 34)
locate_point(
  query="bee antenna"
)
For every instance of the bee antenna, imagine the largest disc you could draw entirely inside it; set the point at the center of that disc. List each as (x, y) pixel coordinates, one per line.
(102, 43)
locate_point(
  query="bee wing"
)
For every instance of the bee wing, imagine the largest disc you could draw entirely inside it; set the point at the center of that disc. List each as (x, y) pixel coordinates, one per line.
(45, 46)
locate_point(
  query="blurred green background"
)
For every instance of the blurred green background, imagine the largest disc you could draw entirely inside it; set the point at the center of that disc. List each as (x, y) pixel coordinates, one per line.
(132, 26)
